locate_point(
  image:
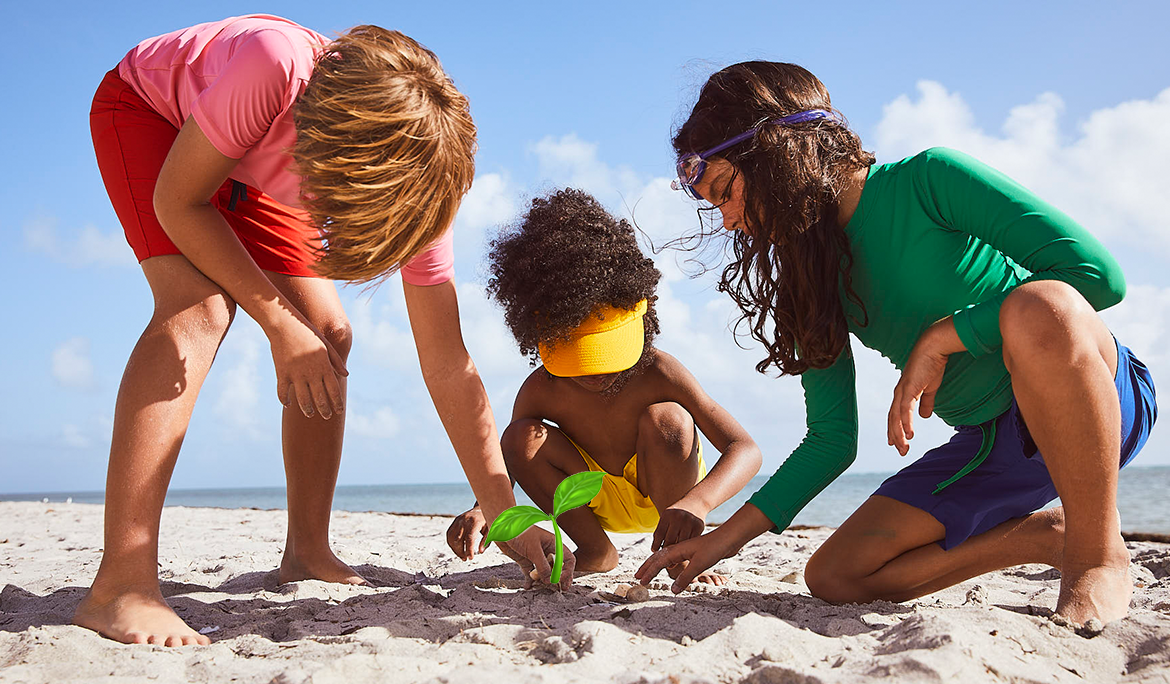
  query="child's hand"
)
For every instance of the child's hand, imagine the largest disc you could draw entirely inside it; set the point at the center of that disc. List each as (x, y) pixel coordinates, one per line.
(921, 377)
(532, 550)
(466, 533)
(677, 523)
(307, 370)
(699, 553)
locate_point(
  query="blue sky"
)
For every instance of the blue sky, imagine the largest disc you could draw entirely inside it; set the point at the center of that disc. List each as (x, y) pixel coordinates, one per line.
(1073, 99)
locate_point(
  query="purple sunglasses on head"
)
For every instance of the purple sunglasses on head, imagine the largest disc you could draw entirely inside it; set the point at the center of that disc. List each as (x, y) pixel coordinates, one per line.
(690, 167)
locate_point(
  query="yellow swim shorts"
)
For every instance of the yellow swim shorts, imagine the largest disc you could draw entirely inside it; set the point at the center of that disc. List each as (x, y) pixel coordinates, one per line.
(619, 506)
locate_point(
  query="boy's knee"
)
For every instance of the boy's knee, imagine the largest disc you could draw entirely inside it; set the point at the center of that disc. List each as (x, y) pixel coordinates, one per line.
(667, 424)
(521, 439)
(208, 319)
(339, 334)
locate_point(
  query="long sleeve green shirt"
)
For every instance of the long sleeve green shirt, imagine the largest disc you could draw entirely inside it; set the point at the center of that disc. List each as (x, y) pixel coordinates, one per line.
(935, 235)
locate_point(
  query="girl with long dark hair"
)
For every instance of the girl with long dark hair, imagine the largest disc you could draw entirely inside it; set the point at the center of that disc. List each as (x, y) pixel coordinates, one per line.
(982, 294)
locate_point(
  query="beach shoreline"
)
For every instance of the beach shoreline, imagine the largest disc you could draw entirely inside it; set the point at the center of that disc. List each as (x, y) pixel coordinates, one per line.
(431, 617)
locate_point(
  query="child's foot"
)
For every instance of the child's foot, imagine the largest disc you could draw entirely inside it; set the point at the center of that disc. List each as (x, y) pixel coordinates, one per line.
(1046, 530)
(326, 567)
(589, 561)
(704, 577)
(136, 616)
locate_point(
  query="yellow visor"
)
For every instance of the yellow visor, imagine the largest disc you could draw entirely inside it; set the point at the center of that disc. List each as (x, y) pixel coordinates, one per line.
(608, 341)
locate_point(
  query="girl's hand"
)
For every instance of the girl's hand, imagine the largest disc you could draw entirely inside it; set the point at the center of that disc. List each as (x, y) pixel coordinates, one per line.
(699, 554)
(677, 524)
(920, 380)
(533, 550)
(307, 368)
(466, 533)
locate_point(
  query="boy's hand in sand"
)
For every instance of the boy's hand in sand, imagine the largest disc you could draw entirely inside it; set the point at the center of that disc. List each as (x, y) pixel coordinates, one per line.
(676, 524)
(466, 534)
(532, 551)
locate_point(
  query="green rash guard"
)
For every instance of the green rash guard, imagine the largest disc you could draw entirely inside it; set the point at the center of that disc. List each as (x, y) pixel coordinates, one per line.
(933, 235)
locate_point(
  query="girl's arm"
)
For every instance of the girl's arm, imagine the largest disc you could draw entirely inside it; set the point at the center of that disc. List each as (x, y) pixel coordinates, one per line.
(194, 170)
(463, 407)
(828, 448)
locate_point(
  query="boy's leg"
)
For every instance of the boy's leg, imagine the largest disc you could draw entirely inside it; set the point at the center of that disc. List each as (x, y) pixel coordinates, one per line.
(668, 454)
(668, 468)
(540, 457)
(887, 550)
(155, 400)
(1062, 359)
(312, 447)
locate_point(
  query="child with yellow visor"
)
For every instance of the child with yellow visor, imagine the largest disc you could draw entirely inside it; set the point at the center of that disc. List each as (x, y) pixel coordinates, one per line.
(578, 295)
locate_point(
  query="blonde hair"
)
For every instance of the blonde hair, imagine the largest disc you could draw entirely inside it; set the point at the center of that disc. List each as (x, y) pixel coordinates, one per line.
(386, 150)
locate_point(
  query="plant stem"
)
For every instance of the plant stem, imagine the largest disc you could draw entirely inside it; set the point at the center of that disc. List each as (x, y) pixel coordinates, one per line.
(560, 556)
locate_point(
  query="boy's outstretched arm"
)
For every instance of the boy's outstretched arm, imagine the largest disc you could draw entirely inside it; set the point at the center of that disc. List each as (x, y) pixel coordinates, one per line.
(739, 460)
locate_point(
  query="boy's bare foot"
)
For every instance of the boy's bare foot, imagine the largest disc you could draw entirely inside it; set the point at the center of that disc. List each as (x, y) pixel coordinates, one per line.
(589, 561)
(136, 616)
(704, 577)
(326, 567)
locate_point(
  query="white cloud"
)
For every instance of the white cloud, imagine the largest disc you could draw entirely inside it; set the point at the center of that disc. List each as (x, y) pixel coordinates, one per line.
(383, 423)
(74, 437)
(1109, 177)
(72, 366)
(87, 247)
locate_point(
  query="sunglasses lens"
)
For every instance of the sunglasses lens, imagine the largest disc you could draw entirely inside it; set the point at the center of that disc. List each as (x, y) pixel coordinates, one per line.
(690, 170)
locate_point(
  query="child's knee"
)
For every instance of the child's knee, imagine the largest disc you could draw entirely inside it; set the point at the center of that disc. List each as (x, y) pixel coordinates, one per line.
(206, 320)
(521, 440)
(339, 334)
(668, 428)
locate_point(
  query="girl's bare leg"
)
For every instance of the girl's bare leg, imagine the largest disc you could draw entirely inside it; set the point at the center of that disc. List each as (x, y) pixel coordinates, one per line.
(1063, 360)
(886, 550)
(312, 447)
(155, 400)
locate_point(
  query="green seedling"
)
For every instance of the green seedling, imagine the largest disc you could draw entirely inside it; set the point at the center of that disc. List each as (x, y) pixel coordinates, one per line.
(573, 491)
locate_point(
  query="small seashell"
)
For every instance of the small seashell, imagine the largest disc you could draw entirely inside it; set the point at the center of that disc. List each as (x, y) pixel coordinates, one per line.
(637, 594)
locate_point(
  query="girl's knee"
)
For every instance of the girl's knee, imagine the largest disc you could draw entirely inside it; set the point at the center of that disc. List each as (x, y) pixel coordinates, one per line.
(827, 580)
(1045, 317)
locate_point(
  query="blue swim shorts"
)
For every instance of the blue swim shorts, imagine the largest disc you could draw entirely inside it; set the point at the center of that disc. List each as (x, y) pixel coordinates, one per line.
(1011, 480)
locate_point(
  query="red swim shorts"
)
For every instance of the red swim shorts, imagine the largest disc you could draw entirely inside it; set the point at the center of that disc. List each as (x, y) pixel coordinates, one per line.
(132, 140)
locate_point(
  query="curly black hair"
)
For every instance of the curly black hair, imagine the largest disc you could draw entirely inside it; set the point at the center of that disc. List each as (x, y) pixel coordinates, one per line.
(563, 259)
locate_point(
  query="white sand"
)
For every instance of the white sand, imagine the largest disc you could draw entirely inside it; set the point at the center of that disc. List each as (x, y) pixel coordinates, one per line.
(434, 618)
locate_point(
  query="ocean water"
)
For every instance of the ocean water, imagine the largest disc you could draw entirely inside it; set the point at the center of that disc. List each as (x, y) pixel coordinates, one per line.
(1142, 497)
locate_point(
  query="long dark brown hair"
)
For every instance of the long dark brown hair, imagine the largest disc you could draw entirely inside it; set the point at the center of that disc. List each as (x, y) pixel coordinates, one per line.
(792, 261)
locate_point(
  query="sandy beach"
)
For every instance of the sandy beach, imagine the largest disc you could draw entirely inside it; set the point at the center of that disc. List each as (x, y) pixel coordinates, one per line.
(432, 618)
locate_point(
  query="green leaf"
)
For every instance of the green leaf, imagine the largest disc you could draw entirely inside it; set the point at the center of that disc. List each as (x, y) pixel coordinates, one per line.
(576, 490)
(512, 523)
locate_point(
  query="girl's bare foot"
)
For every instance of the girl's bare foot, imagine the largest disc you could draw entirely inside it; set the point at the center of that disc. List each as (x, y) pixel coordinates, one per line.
(1099, 590)
(325, 567)
(135, 616)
